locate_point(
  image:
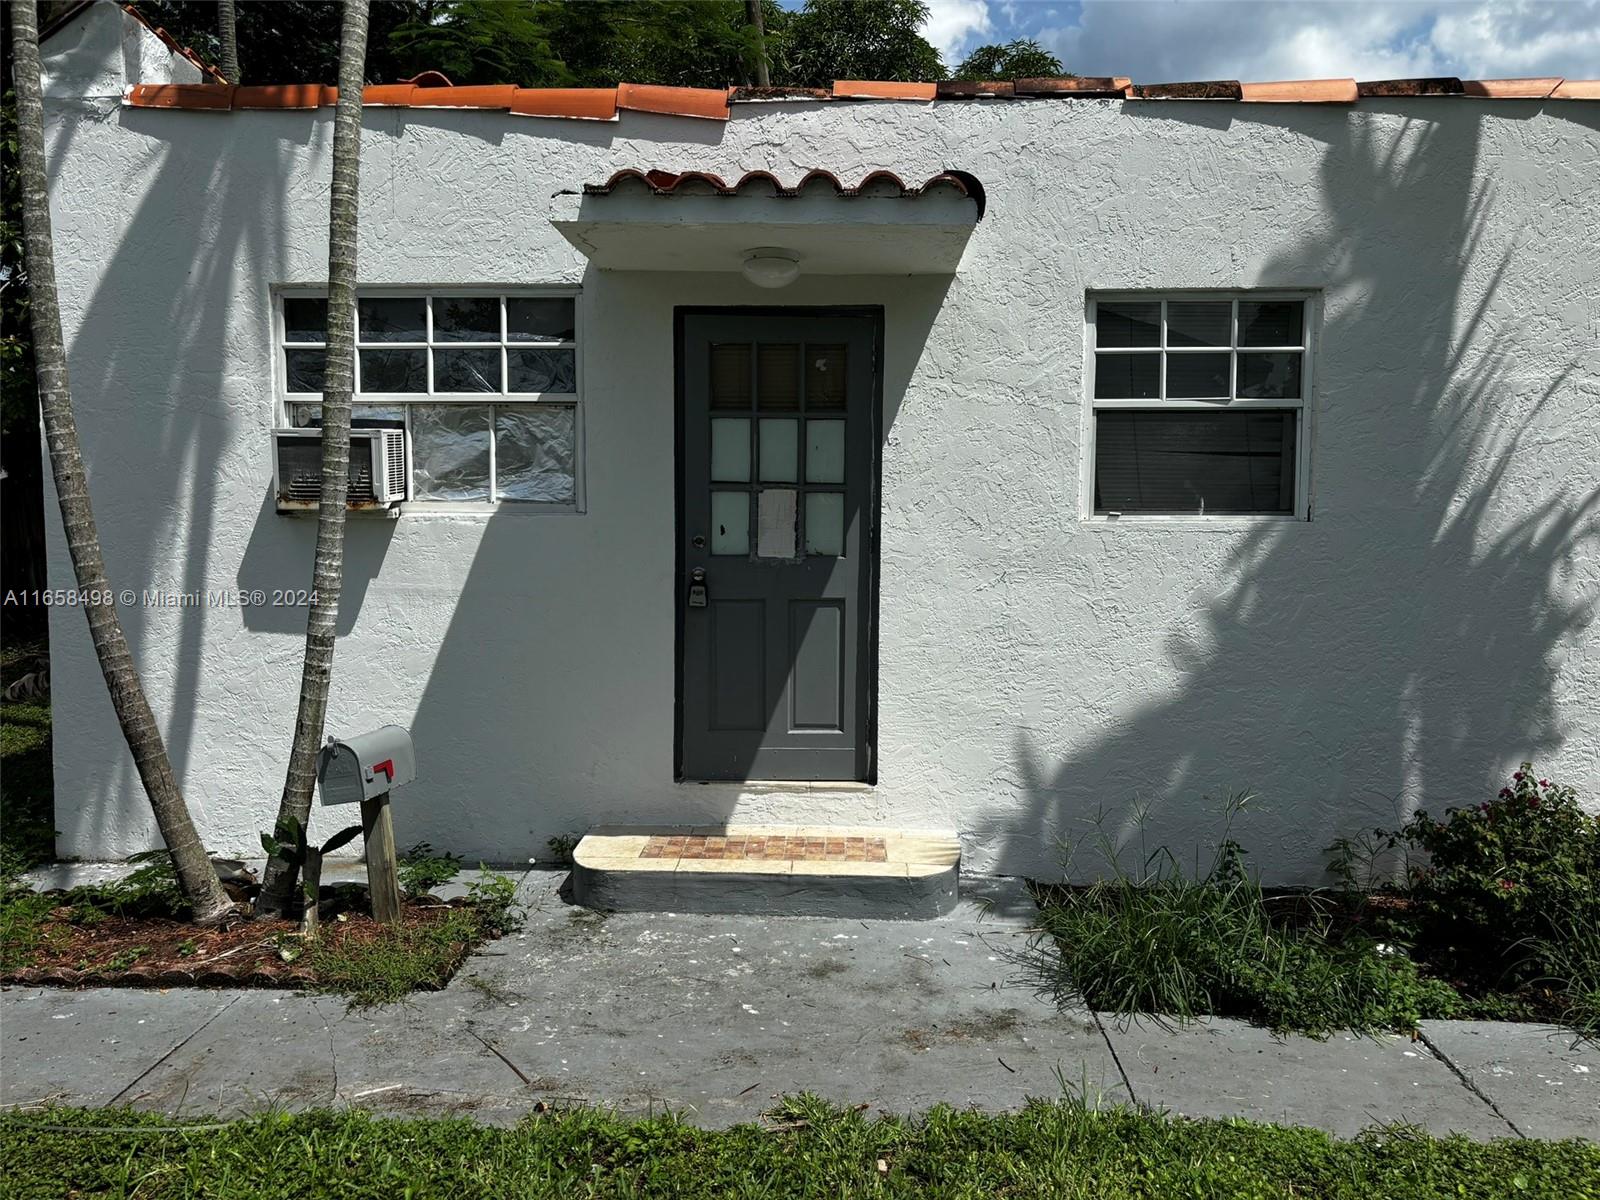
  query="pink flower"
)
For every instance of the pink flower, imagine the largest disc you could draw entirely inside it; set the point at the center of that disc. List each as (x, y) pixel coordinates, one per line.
(1544, 783)
(1517, 777)
(1483, 808)
(1506, 885)
(1505, 793)
(1533, 802)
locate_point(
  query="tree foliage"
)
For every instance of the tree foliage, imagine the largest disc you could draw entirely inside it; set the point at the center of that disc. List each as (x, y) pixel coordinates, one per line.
(854, 39)
(1021, 59)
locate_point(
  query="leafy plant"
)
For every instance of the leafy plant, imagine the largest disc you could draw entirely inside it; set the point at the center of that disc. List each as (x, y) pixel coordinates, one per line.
(291, 846)
(1504, 882)
(149, 890)
(1159, 939)
(493, 897)
(562, 847)
(123, 959)
(421, 870)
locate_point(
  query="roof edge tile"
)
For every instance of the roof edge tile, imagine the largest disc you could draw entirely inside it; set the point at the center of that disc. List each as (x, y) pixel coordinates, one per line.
(1300, 91)
(1213, 89)
(1577, 89)
(706, 103)
(1084, 86)
(1533, 88)
(871, 89)
(199, 97)
(434, 96)
(1441, 85)
(960, 89)
(581, 104)
(287, 95)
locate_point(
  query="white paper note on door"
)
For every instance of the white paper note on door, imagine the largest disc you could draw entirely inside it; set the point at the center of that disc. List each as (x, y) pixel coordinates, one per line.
(775, 536)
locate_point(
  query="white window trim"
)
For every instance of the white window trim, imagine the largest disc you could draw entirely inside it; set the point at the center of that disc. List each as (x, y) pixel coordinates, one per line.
(282, 398)
(1303, 405)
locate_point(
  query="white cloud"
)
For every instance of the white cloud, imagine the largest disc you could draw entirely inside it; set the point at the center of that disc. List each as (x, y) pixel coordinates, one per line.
(953, 26)
(1236, 39)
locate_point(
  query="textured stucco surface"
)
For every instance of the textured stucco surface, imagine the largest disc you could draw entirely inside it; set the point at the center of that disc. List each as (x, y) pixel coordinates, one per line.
(1425, 631)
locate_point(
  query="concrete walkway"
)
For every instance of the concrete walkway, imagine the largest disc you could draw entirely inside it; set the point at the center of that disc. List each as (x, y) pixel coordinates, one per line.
(718, 1016)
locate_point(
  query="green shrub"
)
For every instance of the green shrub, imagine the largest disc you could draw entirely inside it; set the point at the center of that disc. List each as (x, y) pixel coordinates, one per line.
(149, 890)
(494, 902)
(422, 870)
(1186, 946)
(1504, 882)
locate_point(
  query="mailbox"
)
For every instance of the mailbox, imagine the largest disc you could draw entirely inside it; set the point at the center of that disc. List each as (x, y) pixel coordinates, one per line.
(366, 766)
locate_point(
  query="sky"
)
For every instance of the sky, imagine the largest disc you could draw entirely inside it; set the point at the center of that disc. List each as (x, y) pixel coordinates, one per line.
(1161, 41)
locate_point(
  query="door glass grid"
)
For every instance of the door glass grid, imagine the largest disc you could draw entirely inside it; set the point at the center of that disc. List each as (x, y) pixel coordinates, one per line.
(805, 455)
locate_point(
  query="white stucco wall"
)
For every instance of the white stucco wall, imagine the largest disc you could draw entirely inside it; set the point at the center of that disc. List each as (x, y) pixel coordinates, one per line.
(1424, 632)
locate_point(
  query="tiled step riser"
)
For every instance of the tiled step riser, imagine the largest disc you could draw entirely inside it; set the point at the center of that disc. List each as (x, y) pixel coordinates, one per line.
(778, 870)
(877, 897)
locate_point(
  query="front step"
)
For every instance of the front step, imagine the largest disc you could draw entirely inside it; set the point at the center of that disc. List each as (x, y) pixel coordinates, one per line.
(769, 870)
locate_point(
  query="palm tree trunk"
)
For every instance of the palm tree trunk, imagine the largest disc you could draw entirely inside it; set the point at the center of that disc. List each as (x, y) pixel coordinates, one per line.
(196, 875)
(757, 21)
(278, 884)
(230, 41)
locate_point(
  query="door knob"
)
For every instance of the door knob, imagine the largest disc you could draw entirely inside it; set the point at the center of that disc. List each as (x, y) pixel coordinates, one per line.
(697, 588)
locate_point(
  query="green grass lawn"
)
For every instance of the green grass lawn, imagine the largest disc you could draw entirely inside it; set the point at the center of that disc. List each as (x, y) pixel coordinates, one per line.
(1056, 1150)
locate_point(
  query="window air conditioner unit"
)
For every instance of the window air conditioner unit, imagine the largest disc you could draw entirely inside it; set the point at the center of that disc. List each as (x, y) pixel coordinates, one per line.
(377, 468)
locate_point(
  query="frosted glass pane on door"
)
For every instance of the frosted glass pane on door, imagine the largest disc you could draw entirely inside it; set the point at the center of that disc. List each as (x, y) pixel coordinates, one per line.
(780, 451)
(825, 523)
(730, 450)
(730, 522)
(824, 451)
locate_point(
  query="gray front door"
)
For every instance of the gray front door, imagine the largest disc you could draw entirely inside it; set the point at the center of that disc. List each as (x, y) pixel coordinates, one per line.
(777, 514)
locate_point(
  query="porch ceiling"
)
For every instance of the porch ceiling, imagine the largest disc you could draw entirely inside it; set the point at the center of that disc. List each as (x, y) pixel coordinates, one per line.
(655, 221)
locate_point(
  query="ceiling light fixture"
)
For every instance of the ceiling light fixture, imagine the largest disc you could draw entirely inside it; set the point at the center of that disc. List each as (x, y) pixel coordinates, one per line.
(771, 266)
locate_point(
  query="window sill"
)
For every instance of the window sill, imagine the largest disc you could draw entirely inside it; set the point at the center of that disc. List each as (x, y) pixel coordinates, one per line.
(1191, 521)
(445, 508)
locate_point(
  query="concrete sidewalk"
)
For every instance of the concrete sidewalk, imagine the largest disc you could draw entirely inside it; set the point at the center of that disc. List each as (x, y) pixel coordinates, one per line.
(718, 1016)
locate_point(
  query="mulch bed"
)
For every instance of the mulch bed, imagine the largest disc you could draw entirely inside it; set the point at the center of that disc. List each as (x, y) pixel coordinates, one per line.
(240, 952)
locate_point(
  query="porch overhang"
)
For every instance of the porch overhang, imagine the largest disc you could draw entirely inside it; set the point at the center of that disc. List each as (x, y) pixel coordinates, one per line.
(653, 221)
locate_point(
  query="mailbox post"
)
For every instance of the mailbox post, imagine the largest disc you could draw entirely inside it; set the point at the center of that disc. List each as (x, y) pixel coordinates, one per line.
(365, 769)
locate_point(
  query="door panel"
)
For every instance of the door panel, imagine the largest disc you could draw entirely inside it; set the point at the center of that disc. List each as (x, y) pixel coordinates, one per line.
(817, 676)
(777, 516)
(738, 664)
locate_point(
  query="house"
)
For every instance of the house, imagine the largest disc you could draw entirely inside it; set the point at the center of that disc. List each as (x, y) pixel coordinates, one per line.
(973, 458)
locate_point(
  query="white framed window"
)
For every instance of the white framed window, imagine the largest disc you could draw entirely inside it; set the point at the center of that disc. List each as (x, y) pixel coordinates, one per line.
(1198, 404)
(485, 382)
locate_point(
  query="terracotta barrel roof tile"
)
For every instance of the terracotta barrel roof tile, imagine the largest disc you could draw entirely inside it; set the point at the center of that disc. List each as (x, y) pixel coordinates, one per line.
(765, 183)
(1511, 89)
(388, 95)
(1577, 89)
(1300, 91)
(1444, 85)
(1083, 86)
(583, 104)
(866, 89)
(288, 95)
(496, 96)
(1213, 89)
(958, 89)
(215, 97)
(708, 103)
